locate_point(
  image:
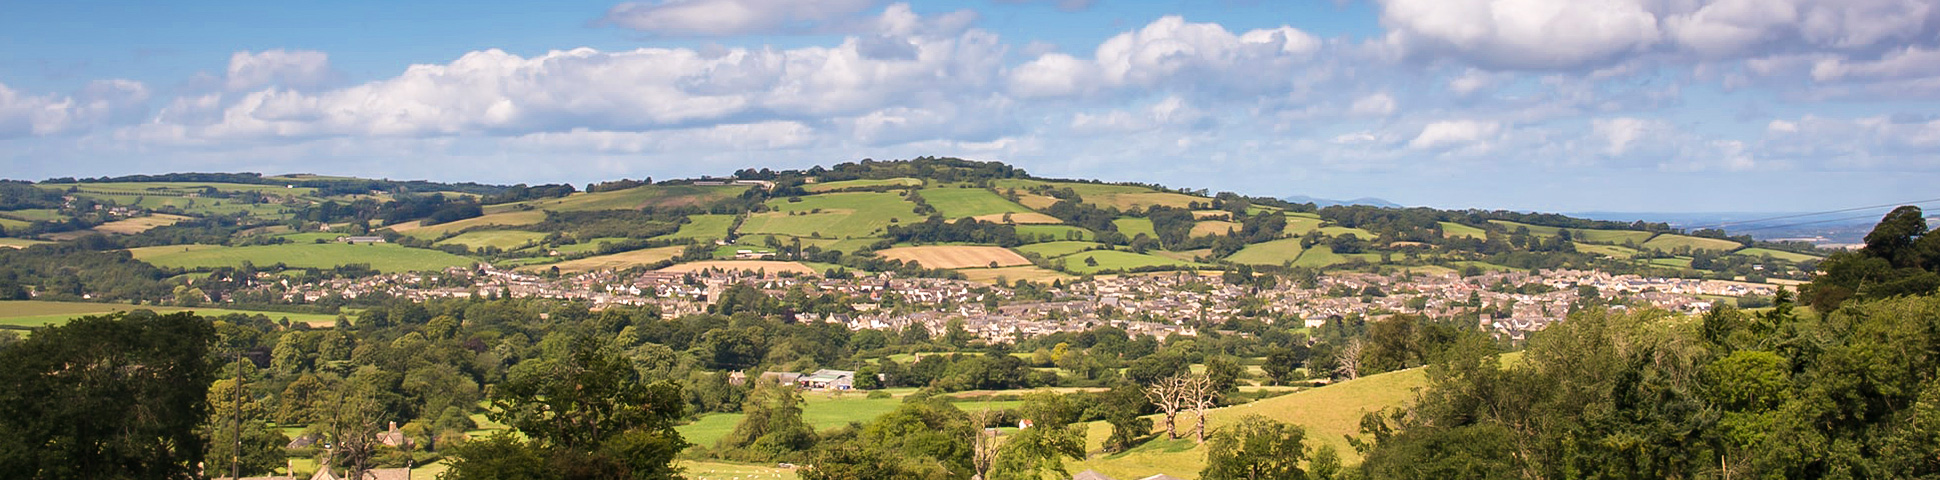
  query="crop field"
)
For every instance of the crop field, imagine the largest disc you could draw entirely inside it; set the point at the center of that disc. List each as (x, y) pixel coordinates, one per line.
(771, 267)
(1277, 252)
(615, 261)
(632, 198)
(1213, 227)
(1452, 230)
(1612, 251)
(1132, 226)
(863, 183)
(34, 313)
(1057, 232)
(1116, 260)
(503, 239)
(1212, 215)
(505, 219)
(1034, 274)
(955, 203)
(704, 226)
(954, 256)
(833, 215)
(383, 257)
(1776, 254)
(1056, 249)
(19, 242)
(1669, 241)
(1026, 218)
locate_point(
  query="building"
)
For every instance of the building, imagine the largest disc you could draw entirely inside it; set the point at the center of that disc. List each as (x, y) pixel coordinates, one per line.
(828, 380)
(353, 240)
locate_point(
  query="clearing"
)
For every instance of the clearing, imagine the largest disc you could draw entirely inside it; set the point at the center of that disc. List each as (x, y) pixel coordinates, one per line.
(956, 256)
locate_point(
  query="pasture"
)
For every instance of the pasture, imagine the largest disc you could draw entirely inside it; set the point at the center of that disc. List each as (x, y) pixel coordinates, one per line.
(1214, 227)
(12, 223)
(617, 261)
(1188, 255)
(1027, 218)
(1212, 215)
(1124, 197)
(34, 215)
(704, 226)
(385, 257)
(1029, 233)
(833, 215)
(768, 266)
(1300, 225)
(517, 218)
(35, 313)
(174, 188)
(131, 226)
(1679, 262)
(1323, 255)
(1669, 242)
(1276, 252)
(1133, 226)
(955, 203)
(1056, 249)
(1452, 230)
(820, 410)
(19, 242)
(631, 199)
(1013, 274)
(863, 183)
(956, 256)
(502, 239)
(1612, 251)
(1614, 237)
(1776, 254)
(1117, 260)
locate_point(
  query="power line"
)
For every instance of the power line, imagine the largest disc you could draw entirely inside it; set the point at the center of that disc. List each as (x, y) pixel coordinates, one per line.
(1769, 227)
(1814, 214)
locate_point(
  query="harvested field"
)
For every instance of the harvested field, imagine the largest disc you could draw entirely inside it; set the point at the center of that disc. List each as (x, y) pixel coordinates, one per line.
(139, 224)
(956, 256)
(771, 267)
(1213, 227)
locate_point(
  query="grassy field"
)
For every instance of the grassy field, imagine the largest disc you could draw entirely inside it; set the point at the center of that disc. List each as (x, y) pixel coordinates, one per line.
(1057, 232)
(772, 267)
(1452, 230)
(1056, 249)
(1612, 251)
(1669, 241)
(1615, 237)
(19, 242)
(34, 214)
(1275, 252)
(1132, 226)
(819, 409)
(615, 261)
(1300, 225)
(1034, 274)
(1122, 196)
(504, 219)
(704, 226)
(956, 256)
(1329, 414)
(11, 223)
(833, 215)
(1777, 254)
(1116, 260)
(863, 183)
(1212, 215)
(175, 188)
(1188, 255)
(503, 239)
(955, 203)
(1213, 227)
(1027, 218)
(34, 313)
(1322, 255)
(136, 225)
(715, 470)
(1679, 262)
(383, 257)
(632, 198)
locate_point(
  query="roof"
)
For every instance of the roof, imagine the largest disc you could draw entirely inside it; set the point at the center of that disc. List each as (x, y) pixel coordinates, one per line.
(1161, 477)
(1091, 475)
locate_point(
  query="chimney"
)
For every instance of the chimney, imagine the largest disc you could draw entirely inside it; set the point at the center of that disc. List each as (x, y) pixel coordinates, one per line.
(394, 425)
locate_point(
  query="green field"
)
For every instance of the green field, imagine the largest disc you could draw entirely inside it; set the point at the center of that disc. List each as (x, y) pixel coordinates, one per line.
(1452, 230)
(1776, 254)
(632, 198)
(863, 183)
(504, 219)
(31, 215)
(11, 223)
(1614, 237)
(819, 409)
(704, 226)
(841, 215)
(1679, 262)
(20, 242)
(617, 261)
(1117, 260)
(1322, 255)
(503, 239)
(34, 313)
(955, 203)
(1612, 251)
(1122, 196)
(1133, 226)
(389, 258)
(1668, 242)
(1214, 227)
(1056, 249)
(1275, 252)
(175, 188)
(1057, 232)
(1300, 225)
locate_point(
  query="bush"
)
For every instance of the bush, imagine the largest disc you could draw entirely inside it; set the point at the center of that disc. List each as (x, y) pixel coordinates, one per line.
(879, 394)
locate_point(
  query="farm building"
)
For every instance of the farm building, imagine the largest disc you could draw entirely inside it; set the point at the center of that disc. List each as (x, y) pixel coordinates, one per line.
(829, 380)
(360, 239)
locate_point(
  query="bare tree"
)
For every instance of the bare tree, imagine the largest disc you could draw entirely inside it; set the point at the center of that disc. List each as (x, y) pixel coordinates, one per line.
(1164, 394)
(1198, 393)
(983, 443)
(1350, 359)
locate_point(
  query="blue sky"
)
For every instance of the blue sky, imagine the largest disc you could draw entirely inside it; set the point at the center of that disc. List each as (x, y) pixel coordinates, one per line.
(1612, 105)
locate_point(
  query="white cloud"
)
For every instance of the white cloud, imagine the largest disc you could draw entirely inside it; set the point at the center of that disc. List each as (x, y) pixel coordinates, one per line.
(100, 102)
(1379, 104)
(1521, 34)
(278, 67)
(1170, 52)
(1453, 133)
(1621, 134)
(716, 18)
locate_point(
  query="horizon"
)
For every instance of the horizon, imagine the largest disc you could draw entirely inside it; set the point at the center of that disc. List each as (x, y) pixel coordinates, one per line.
(1629, 107)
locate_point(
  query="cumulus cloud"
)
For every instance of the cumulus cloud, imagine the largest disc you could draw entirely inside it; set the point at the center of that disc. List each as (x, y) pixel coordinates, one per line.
(1379, 104)
(100, 102)
(1620, 134)
(299, 69)
(717, 18)
(1454, 133)
(1170, 52)
(1061, 5)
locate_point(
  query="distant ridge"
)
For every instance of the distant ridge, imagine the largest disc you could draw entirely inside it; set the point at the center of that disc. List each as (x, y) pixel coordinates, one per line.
(1325, 202)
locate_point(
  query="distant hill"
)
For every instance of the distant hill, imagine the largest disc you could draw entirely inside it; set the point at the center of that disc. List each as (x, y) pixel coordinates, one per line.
(1326, 202)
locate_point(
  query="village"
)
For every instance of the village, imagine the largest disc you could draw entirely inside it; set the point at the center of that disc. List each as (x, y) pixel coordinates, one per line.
(1508, 304)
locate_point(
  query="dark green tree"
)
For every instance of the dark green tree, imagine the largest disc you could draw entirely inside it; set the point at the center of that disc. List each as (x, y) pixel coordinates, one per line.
(1256, 448)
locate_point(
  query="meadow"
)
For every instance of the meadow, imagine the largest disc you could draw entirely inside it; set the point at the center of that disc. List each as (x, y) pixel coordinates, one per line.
(1123, 197)
(1669, 241)
(1452, 230)
(862, 183)
(1057, 232)
(955, 203)
(771, 267)
(35, 313)
(615, 261)
(1117, 260)
(19, 242)
(502, 239)
(1612, 251)
(1214, 227)
(631, 199)
(833, 215)
(704, 226)
(389, 258)
(1776, 254)
(956, 256)
(1323, 255)
(1056, 249)
(1276, 252)
(1012, 274)
(504, 219)
(1131, 227)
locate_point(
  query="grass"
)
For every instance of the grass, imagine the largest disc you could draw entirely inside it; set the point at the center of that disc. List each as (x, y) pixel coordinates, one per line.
(503, 219)
(615, 261)
(1776, 254)
(1323, 255)
(769, 266)
(1188, 255)
(1612, 251)
(1057, 232)
(11, 223)
(19, 242)
(956, 256)
(955, 203)
(35, 313)
(718, 470)
(1034, 274)
(136, 225)
(1213, 227)
(383, 257)
(863, 183)
(1330, 414)
(1679, 262)
(1615, 237)
(1132, 226)
(1122, 196)
(1056, 249)
(1669, 241)
(1452, 230)
(704, 226)
(1276, 252)
(174, 188)
(1300, 225)
(819, 410)
(503, 239)
(632, 198)
(1117, 260)
(833, 215)
(34, 214)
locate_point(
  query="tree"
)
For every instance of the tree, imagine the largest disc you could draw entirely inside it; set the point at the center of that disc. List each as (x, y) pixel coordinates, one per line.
(261, 447)
(115, 396)
(772, 428)
(1035, 452)
(1123, 407)
(1256, 448)
(1164, 394)
(1349, 360)
(585, 409)
(1224, 372)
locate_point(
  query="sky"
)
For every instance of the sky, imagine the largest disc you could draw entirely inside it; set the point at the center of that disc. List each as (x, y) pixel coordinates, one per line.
(1548, 105)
